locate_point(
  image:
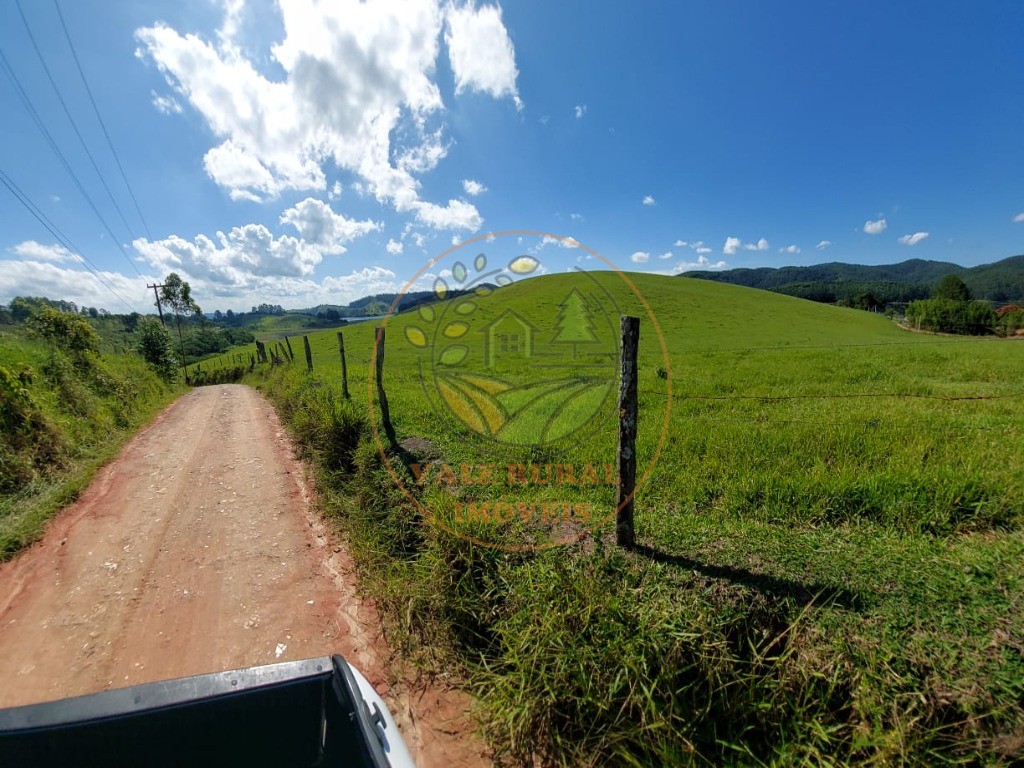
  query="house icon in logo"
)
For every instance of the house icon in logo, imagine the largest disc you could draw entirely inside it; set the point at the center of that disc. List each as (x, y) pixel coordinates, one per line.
(508, 335)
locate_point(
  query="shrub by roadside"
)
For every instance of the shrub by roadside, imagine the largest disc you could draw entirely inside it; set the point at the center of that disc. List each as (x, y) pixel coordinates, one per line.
(64, 410)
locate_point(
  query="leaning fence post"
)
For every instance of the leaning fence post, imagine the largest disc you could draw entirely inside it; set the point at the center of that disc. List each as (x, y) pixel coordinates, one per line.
(344, 368)
(626, 454)
(309, 354)
(378, 359)
(291, 354)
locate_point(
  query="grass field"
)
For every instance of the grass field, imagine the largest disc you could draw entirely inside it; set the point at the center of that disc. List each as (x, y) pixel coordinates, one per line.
(831, 560)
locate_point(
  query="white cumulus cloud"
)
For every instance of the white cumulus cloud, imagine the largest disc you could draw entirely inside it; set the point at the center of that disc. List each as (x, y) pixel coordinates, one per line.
(480, 51)
(394, 247)
(875, 227)
(665, 255)
(649, 200)
(30, 249)
(45, 278)
(234, 258)
(760, 245)
(473, 188)
(320, 226)
(640, 257)
(790, 249)
(580, 110)
(357, 91)
(913, 239)
(732, 246)
(821, 246)
(1018, 218)
(701, 263)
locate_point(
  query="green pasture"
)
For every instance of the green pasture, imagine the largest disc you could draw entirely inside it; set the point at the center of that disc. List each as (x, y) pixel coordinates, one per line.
(782, 410)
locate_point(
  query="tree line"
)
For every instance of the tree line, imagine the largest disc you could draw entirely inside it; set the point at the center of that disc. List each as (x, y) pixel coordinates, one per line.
(952, 309)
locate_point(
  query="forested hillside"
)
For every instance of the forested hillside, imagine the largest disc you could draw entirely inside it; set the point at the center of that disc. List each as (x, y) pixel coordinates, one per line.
(1000, 282)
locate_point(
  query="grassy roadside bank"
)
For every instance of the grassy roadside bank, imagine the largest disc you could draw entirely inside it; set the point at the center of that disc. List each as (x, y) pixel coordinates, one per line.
(824, 580)
(62, 416)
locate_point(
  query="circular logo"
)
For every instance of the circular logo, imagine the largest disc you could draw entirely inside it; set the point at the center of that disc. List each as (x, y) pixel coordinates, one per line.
(517, 343)
(516, 375)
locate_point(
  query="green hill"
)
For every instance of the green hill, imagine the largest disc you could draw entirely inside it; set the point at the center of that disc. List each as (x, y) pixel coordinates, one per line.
(1002, 281)
(831, 530)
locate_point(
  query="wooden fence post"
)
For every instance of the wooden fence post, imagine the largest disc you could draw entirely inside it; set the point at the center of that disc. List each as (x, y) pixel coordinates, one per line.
(344, 368)
(309, 354)
(382, 398)
(289, 343)
(626, 454)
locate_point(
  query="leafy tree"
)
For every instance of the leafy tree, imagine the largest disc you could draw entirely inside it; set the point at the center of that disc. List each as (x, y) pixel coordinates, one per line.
(177, 294)
(1011, 320)
(131, 321)
(153, 342)
(953, 288)
(865, 300)
(23, 306)
(952, 316)
(66, 331)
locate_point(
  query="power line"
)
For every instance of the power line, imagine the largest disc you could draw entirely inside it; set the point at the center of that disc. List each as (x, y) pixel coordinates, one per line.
(71, 119)
(103, 125)
(61, 238)
(27, 102)
(41, 217)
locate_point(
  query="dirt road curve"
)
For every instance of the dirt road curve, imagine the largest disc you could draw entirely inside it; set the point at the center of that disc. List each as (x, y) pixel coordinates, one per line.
(196, 551)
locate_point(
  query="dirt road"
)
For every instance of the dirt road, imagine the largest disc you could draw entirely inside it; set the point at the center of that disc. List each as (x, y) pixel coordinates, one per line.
(196, 551)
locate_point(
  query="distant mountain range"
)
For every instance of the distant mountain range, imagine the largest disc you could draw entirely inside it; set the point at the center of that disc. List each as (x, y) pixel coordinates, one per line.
(1000, 282)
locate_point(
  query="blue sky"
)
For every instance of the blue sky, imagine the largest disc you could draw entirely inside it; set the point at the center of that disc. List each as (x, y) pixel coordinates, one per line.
(298, 152)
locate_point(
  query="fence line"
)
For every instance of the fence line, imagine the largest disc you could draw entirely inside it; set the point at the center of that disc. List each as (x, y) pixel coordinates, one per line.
(838, 396)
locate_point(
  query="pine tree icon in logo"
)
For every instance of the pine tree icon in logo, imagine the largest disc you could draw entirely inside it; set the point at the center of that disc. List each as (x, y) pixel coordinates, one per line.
(573, 324)
(508, 377)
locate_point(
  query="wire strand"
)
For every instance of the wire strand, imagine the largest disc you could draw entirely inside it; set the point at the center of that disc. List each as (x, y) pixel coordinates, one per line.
(27, 102)
(71, 119)
(42, 218)
(103, 125)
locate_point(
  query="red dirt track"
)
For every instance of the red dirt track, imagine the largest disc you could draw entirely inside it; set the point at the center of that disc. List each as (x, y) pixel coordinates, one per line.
(196, 551)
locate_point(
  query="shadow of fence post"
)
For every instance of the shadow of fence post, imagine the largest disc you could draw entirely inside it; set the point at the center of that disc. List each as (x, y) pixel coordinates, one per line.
(344, 367)
(625, 456)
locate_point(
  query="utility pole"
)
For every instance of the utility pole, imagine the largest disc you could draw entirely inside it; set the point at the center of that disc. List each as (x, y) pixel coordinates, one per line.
(158, 308)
